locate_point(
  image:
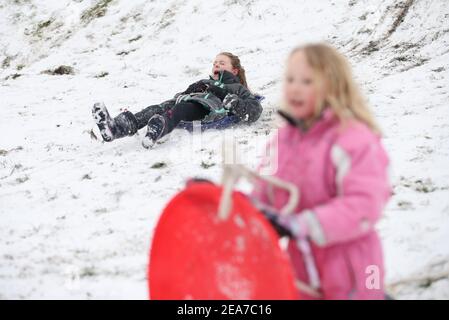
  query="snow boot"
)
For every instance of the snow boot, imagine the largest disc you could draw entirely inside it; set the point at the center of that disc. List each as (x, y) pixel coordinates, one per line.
(156, 128)
(125, 124)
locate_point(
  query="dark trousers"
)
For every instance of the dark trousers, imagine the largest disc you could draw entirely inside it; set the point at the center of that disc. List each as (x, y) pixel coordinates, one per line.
(183, 111)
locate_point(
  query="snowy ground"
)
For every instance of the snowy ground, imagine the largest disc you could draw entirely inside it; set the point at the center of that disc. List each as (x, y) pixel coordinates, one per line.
(76, 215)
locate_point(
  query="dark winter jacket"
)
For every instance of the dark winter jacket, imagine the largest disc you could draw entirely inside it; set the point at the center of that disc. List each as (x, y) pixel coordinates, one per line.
(247, 108)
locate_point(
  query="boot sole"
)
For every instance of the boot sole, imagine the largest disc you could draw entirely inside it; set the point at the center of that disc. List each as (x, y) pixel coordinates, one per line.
(147, 142)
(103, 120)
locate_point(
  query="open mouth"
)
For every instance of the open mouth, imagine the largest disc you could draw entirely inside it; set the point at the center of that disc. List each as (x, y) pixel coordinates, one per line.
(296, 103)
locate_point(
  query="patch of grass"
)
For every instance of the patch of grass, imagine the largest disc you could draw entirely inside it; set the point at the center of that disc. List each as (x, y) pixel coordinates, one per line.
(7, 62)
(125, 53)
(61, 70)
(419, 185)
(363, 17)
(407, 62)
(38, 30)
(13, 76)
(96, 11)
(424, 186)
(135, 38)
(405, 205)
(440, 69)
(206, 165)
(405, 46)
(417, 61)
(372, 46)
(22, 179)
(88, 272)
(101, 210)
(87, 176)
(19, 2)
(400, 17)
(102, 74)
(167, 18)
(44, 24)
(159, 165)
(400, 59)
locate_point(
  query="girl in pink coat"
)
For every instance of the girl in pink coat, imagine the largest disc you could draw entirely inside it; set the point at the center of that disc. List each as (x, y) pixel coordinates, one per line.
(331, 150)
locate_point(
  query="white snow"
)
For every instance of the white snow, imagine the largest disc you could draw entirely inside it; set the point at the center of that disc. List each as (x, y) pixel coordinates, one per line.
(76, 215)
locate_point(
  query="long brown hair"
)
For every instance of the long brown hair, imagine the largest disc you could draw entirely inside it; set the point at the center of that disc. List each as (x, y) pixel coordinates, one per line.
(340, 91)
(235, 61)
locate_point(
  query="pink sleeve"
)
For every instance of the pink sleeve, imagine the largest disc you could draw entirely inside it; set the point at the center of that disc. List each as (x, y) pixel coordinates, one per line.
(363, 189)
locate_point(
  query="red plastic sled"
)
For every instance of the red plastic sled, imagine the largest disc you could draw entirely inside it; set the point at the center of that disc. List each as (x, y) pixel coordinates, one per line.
(195, 255)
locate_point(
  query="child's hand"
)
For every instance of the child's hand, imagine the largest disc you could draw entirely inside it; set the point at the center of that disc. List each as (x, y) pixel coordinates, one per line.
(199, 86)
(292, 225)
(273, 218)
(230, 101)
(295, 224)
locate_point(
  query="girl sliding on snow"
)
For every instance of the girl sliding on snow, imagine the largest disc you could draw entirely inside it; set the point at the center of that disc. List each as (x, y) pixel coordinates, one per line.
(224, 93)
(330, 149)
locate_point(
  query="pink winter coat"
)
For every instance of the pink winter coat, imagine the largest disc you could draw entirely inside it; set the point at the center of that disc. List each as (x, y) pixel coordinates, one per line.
(341, 174)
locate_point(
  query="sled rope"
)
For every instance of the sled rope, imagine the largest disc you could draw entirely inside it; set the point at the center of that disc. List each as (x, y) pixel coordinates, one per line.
(304, 287)
(304, 246)
(233, 173)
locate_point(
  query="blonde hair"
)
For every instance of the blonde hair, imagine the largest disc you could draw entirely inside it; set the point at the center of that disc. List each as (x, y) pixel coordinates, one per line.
(340, 92)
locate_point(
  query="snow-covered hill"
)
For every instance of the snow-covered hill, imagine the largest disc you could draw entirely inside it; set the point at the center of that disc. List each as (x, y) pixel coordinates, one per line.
(76, 215)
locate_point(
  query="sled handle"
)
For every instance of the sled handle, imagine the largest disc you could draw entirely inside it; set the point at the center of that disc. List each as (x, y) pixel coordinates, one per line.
(231, 175)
